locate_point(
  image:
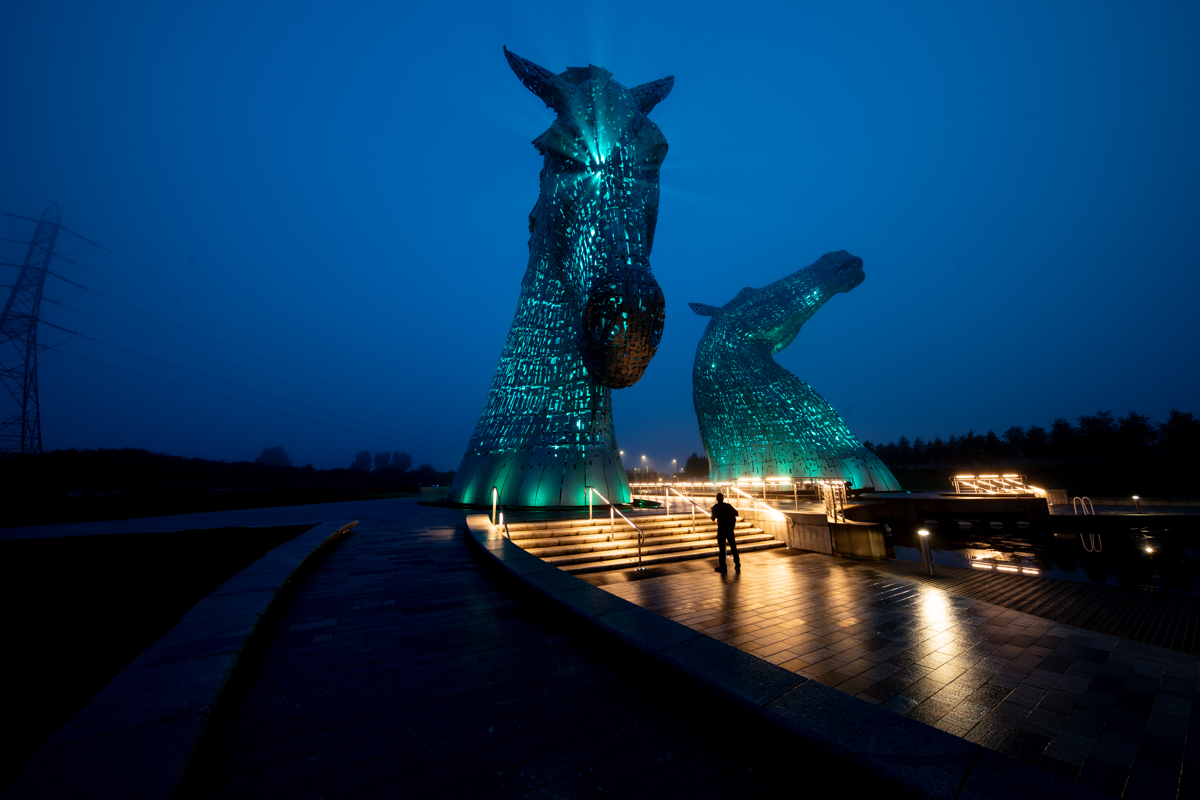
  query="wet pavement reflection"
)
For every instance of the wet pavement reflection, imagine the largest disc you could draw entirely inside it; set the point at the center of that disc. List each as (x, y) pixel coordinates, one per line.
(1113, 714)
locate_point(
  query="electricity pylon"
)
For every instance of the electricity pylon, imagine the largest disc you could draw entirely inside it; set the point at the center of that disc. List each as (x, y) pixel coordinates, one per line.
(21, 430)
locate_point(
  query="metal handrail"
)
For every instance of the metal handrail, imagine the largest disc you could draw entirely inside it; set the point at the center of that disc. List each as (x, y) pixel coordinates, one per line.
(1009, 483)
(753, 499)
(612, 520)
(495, 502)
(694, 507)
(833, 493)
(1084, 503)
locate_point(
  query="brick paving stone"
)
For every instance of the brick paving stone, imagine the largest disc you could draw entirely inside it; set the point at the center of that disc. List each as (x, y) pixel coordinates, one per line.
(400, 667)
(1071, 700)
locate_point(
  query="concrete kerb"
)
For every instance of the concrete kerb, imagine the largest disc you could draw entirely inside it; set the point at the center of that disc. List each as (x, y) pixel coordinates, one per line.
(137, 737)
(906, 753)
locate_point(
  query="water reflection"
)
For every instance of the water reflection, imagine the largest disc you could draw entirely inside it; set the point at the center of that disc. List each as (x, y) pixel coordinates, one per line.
(933, 609)
(1158, 560)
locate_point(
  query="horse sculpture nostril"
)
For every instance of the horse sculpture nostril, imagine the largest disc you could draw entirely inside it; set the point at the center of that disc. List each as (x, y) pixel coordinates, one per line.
(620, 335)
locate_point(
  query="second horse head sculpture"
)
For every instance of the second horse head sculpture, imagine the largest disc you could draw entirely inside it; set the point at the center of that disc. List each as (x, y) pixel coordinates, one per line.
(759, 421)
(590, 313)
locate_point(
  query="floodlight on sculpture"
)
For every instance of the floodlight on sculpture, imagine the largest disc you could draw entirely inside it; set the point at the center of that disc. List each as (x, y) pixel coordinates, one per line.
(757, 420)
(590, 313)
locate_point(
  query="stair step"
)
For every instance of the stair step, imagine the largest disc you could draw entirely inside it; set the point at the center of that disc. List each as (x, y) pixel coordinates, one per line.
(603, 532)
(597, 518)
(582, 545)
(661, 558)
(573, 552)
(626, 551)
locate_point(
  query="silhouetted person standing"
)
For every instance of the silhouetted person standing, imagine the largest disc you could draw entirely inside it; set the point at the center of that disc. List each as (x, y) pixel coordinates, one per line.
(725, 516)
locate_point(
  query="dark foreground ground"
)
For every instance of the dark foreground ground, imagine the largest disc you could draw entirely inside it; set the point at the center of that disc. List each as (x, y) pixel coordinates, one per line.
(400, 668)
(81, 608)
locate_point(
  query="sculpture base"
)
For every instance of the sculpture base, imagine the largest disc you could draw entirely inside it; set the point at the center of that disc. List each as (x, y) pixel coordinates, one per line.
(540, 477)
(862, 470)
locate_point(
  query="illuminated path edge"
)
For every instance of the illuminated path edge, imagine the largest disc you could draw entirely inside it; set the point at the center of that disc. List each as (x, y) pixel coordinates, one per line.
(914, 756)
(138, 735)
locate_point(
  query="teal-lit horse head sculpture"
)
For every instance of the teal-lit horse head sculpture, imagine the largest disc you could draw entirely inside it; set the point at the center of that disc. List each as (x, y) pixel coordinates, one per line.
(758, 420)
(590, 314)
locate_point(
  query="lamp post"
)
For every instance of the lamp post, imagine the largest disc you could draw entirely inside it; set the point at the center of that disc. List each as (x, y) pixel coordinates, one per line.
(674, 468)
(923, 537)
(1137, 504)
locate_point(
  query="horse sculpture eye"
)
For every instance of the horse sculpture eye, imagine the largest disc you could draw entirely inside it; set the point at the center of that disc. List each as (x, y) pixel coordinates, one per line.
(560, 146)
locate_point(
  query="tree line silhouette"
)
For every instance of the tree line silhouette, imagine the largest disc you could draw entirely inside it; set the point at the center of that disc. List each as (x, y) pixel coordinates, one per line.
(384, 460)
(1131, 440)
(78, 485)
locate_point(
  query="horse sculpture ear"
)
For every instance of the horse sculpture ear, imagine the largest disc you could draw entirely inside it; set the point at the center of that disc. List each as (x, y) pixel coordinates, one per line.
(648, 95)
(552, 89)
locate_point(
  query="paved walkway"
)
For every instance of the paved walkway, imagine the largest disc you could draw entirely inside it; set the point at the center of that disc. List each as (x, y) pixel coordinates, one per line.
(234, 518)
(399, 668)
(1113, 714)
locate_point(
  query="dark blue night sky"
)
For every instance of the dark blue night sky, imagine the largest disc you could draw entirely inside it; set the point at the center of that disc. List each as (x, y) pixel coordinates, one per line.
(351, 182)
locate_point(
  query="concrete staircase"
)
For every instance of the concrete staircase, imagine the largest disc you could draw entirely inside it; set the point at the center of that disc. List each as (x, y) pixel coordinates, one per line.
(590, 546)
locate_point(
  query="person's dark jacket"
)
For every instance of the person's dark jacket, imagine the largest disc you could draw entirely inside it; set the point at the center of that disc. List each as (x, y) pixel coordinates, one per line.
(725, 516)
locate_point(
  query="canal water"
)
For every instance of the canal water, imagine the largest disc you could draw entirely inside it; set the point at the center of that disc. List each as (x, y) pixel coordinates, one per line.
(1149, 557)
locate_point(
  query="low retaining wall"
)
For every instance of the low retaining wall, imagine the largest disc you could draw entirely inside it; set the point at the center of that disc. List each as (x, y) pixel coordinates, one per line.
(138, 735)
(909, 754)
(807, 531)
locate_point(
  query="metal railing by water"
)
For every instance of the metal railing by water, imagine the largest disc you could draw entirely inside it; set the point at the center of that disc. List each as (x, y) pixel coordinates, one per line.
(613, 513)
(502, 523)
(1009, 483)
(833, 493)
(1085, 504)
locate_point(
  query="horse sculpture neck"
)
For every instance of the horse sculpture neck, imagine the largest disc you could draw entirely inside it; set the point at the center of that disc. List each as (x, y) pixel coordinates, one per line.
(756, 418)
(590, 314)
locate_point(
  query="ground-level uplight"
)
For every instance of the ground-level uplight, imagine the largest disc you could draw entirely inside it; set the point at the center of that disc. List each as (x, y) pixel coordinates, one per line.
(923, 538)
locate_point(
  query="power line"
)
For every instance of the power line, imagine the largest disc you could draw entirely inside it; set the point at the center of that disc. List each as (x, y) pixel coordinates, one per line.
(223, 305)
(201, 355)
(240, 386)
(230, 346)
(223, 397)
(14, 227)
(45, 347)
(85, 289)
(97, 245)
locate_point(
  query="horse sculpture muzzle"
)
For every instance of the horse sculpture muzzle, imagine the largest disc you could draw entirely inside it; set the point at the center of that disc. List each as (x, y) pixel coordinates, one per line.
(621, 331)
